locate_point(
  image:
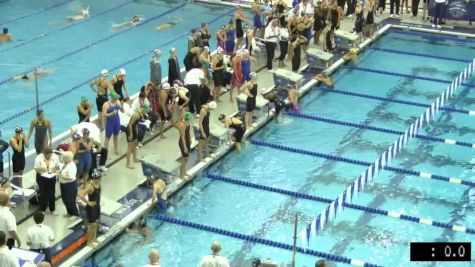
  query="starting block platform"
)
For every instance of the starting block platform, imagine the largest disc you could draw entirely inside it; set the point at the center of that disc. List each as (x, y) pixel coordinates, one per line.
(346, 40)
(27, 258)
(284, 78)
(318, 58)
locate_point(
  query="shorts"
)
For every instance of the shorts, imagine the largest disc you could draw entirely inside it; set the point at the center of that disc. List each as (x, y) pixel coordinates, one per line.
(100, 101)
(84, 163)
(18, 163)
(93, 213)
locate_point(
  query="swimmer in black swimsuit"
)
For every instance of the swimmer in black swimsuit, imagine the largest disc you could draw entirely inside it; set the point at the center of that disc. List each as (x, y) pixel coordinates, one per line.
(204, 128)
(240, 18)
(184, 141)
(93, 206)
(18, 143)
(132, 134)
(100, 86)
(32, 76)
(279, 105)
(237, 125)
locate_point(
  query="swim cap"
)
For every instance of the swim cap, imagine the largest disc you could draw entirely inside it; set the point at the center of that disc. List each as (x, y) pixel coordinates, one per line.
(83, 99)
(104, 72)
(76, 137)
(253, 75)
(146, 108)
(165, 86)
(221, 117)
(158, 51)
(5, 30)
(114, 96)
(220, 50)
(173, 49)
(212, 105)
(96, 175)
(187, 116)
(39, 111)
(85, 131)
(122, 72)
(206, 48)
(18, 129)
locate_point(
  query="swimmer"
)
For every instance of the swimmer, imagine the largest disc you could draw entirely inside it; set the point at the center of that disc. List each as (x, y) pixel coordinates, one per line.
(5, 36)
(159, 195)
(141, 228)
(237, 125)
(31, 76)
(81, 15)
(324, 78)
(134, 21)
(293, 94)
(351, 55)
(279, 105)
(167, 25)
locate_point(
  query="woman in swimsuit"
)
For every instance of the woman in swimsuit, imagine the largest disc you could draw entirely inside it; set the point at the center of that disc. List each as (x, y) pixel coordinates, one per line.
(369, 19)
(218, 73)
(18, 143)
(118, 81)
(132, 134)
(184, 141)
(230, 38)
(100, 86)
(111, 113)
(237, 78)
(359, 22)
(250, 89)
(237, 125)
(205, 61)
(221, 37)
(240, 18)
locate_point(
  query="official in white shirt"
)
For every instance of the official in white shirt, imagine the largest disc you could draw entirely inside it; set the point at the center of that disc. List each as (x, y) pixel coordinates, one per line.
(193, 80)
(68, 183)
(8, 221)
(271, 36)
(7, 259)
(46, 166)
(39, 236)
(214, 260)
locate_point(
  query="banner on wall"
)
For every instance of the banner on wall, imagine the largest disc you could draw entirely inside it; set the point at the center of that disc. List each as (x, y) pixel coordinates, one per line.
(456, 10)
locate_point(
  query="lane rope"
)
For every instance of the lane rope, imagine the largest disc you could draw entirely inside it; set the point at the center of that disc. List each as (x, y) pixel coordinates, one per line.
(425, 175)
(262, 241)
(65, 27)
(434, 38)
(15, 19)
(379, 129)
(394, 100)
(392, 214)
(394, 51)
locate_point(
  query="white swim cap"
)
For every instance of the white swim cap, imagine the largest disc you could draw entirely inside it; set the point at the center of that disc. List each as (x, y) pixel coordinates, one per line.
(157, 51)
(253, 75)
(206, 48)
(104, 72)
(122, 72)
(173, 49)
(220, 50)
(212, 105)
(166, 86)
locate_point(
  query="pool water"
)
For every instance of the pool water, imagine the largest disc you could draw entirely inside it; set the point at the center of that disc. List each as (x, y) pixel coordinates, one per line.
(355, 234)
(77, 53)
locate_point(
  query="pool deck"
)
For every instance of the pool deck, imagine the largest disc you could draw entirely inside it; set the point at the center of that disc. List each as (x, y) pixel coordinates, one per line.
(121, 198)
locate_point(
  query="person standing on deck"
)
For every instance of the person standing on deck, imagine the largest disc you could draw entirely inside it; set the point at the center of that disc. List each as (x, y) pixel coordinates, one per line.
(184, 141)
(204, 128)
(100, 86)
(164, 100)
(111, 110)
(156, 69)
(46, 165)
(18, 143)
(93, 206)
(173, 67)
(271, 35)
(118, 81)
(193, 81)
(250, 89)
(8, 223)
(204, 35)
(39, 236)
(42, 128)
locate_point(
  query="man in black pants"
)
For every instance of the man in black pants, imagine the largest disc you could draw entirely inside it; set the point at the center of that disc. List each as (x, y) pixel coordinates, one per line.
(193, 81)
(415, 7)
(393, 3)
(271, 35)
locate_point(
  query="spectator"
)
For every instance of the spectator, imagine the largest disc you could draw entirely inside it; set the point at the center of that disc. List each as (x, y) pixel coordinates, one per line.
(193, 81)
(321, 263)
(3, 147)
(18, 143)
(38, 236)
(42, 128)
(7, 259)
(46, 165)
(214, 260)
(68, 184)
(156, 69)
(271, 35)
(84, 110)
(154, 258)
(93, 206)
(8, 222)
(173, 67)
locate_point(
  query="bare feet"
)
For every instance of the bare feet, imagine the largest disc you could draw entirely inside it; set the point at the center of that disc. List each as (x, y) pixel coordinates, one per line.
(116, 152)
(130, 166)
(163, 137)
(136, 160)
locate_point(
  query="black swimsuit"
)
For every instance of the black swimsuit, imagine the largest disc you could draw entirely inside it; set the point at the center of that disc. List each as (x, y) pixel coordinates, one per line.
(18, 159)
(218, 75)
(135, 131)
(118, 87)
(205, 124)
(101, 99)
(239, 31)
(239, 131)
(187, 143)
(251, 101)
(94, 212)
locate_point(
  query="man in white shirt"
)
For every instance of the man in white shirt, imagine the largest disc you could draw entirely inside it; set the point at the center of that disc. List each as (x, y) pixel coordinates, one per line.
(46, 165)
(8, 221)
(154, 258)
(193, 81)
(7, 259)
(38, 236)
(214, 260)
(271, 35)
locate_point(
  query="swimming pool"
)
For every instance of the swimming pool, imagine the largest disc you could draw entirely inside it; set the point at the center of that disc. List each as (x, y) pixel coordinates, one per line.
(78, 51)
(255, 211)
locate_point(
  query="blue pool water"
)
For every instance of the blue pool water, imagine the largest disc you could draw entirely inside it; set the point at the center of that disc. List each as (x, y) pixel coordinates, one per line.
(73, 70)
(355, 234)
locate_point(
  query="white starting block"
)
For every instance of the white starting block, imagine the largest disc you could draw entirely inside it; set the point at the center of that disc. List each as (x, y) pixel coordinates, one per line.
(346, 40)
(284, 77)
(318, 58)
(218, 134)
(27, 258)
